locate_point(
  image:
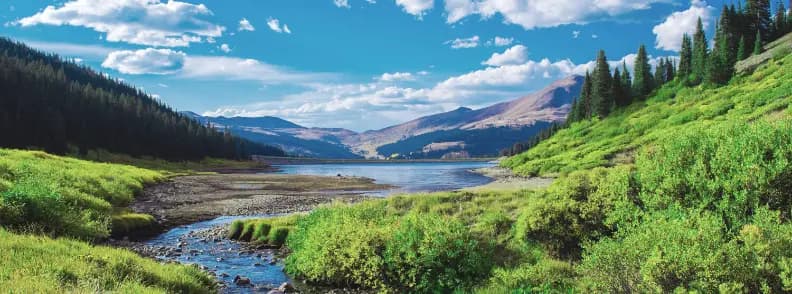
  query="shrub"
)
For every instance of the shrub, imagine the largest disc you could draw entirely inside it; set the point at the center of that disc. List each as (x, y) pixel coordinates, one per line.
(235, 230)
(278, 235)
(247, 231)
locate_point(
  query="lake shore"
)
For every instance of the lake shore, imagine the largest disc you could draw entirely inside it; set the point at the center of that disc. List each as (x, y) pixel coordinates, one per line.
(189, 199)
(505, 180)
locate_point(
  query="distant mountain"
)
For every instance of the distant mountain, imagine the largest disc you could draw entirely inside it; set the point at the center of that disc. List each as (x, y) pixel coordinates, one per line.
(479, 132)
(295, 139)
(461, 132)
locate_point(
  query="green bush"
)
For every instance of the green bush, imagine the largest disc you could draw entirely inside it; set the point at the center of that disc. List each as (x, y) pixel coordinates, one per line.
(247, 231)
(235, 230)
(278, 235)
(128, 223)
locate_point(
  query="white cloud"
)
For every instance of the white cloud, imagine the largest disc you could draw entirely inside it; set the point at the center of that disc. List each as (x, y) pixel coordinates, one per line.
(514, 55)
(241, 69)
(575, 34)
(245, 25)
(669, 33)
(502, 41)
(396, 76)
(225, 48)
(341, 3)
(595, 36)
(532, 14)
(458, 43)
(146, 61)
(275, 26)
(69, 49)
(143, 22)
(416, 7)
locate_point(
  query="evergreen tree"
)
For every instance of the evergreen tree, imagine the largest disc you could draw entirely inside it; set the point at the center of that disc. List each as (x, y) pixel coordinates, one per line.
(699, 61)
(642, 82)
(780, 21)
(719, 66)
(759, 14)
(617, 90)
(670, 71)
(685, 57)
(741, 50)
(659, 75)
(584, 110)
(601, 97)
(626, 83)
(573, 113)
(758, 43)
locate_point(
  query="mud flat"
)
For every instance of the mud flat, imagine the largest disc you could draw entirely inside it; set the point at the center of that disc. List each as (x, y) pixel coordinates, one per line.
(189, 199)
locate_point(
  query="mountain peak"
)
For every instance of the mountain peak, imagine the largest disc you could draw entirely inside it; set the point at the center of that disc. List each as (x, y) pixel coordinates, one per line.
(462, 109)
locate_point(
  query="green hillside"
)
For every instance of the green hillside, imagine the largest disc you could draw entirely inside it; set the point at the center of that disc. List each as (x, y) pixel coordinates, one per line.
(674, 108)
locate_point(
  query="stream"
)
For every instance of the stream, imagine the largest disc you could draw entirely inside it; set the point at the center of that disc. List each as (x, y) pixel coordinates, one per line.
(227, 259)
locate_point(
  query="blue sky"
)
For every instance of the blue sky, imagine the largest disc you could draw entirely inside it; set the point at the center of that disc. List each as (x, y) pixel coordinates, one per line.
(358, 64)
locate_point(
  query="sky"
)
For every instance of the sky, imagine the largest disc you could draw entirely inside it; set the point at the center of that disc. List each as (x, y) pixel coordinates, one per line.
(356, 64)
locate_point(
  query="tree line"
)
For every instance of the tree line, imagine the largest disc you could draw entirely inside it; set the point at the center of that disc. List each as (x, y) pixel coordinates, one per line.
(739, 28)
(57, 105)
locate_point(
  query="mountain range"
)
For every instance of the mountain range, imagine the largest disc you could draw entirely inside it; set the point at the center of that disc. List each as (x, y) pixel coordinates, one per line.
(462, 132)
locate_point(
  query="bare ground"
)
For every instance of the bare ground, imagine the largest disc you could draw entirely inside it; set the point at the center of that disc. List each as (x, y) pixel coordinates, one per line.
(189, 199)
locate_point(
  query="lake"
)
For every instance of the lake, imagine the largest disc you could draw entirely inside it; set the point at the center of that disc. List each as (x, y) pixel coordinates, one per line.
(407, 177)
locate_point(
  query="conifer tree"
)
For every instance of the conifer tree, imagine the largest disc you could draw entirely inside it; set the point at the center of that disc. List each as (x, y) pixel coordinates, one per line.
(584, 109)
(642, 83)
(573, 113)
(659, 75)
(780, 21)
(670, 71)
(601, 98)
(685, 57)
(699, 61)
(758, 12)
(617, 90)
(741, 50)
(758, 43)
(626, 83)
(719, 66)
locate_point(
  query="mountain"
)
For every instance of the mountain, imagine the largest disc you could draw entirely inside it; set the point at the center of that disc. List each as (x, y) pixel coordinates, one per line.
(293, 138)
(480, 132)
(61, 107)
(462, 132)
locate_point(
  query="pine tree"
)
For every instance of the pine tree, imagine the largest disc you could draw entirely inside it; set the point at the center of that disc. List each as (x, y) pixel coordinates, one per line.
(780, 21)
(659, 75)
(617, 90)
(719, 67)
(642, 83)
(685, 57)
(573, 113)
(758, 44)
(741, 50)
(699, 61)
(601, 97)
(670, 71)
(758, 12)
(584, 109)
(626, 83)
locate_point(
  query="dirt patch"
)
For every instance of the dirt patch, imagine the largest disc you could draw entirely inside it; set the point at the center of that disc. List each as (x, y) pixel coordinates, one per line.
(189, 199)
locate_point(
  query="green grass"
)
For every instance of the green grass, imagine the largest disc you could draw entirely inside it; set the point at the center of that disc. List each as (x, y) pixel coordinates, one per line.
(63, 196)
(272, 231)
(35, 264)
(672, 109)
(687, 192)
(170, 168)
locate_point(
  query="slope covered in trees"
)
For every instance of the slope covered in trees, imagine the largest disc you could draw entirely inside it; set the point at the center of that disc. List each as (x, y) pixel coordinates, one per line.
(62, 107)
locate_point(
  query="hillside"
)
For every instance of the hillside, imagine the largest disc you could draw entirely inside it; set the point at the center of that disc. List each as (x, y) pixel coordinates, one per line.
(674, 108)
(62, 107)
(492, 128)
(293, 138)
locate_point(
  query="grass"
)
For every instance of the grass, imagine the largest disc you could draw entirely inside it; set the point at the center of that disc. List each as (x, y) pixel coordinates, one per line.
(36, 264)
(272, 231)
(687, 192)
(171, 168)
(672, 109)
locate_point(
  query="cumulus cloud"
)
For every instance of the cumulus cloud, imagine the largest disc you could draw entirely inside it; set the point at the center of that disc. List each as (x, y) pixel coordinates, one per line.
(144, 22)
(514, 55)
(245, 25)
(575, 34)
(225, 48)
(275, 26)
(532, 14)
(458, 43)
(669, 33)
(416, 7)
(341, 3)
(396, 76)
(241, 69)
(146, 61)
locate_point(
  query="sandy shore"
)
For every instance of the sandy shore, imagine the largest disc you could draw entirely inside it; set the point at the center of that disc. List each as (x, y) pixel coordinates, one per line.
(190, 199)
(505, 179)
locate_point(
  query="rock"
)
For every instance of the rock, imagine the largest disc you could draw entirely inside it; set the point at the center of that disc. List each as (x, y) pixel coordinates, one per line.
(275, 292)
(257, 264)
(224, 275)
(242, 281)
(219, 259)
(286, 288)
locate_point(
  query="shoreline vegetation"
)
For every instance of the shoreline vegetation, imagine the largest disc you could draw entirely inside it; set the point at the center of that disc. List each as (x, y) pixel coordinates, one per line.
(657, 197)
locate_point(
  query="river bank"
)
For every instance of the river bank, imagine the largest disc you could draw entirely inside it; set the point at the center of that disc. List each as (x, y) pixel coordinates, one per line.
(505, 180)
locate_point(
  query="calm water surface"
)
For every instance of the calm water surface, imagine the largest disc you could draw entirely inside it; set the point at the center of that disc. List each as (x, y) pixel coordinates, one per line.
(224, 257)
(407, 177)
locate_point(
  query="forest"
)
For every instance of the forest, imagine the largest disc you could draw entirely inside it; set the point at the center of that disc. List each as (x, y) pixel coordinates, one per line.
(61, 107)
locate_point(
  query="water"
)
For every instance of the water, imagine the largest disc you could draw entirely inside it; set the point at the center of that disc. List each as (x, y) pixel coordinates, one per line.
(225, 257)
(407, 177)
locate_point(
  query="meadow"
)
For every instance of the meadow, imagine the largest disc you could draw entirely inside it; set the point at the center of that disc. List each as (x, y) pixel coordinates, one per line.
(687, 191)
